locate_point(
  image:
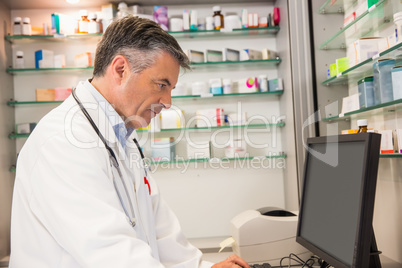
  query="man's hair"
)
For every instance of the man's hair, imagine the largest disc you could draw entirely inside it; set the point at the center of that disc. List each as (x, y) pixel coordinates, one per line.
(140, 41)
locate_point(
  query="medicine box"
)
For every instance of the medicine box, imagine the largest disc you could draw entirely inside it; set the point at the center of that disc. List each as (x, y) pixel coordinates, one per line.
(172, 119)
(83, 60)
(44, 59)
(198, 150)
(45, 94)
(247, 85)
(387, 145)
(250, 54)
(213, 55)
(399, 139)
(268, 54)
(216, 86)
(161, 17)
(25, 128)
(195, 56)
(363, 49)
(231, 54)
(62, 93)
(163, 149)
(275, 84)
(342, 64)
(210, 117)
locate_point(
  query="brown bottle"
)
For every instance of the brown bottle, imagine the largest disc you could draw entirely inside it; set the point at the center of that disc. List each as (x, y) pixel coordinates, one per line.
(218, 18)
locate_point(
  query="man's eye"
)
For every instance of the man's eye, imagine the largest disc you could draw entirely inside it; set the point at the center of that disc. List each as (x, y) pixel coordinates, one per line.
(162, 85)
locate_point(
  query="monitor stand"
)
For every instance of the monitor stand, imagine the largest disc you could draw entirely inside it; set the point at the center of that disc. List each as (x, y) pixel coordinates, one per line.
(374, 253)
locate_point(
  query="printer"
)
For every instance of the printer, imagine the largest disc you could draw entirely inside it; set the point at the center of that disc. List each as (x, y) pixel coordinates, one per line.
(266, 235)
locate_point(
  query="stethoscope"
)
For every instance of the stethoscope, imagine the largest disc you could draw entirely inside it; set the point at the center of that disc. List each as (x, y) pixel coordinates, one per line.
(115, 164)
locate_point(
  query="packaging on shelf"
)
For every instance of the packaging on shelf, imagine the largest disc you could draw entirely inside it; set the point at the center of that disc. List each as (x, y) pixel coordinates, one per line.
(396, 75)
(235, 119)
(25, 128)
(349, 131)
(109, 12)
(172, 118)
(383, 80)
(62, 93)
(342, 64)
(210, 117)
(44, 59)
(59, 61)
(399, 139)
(387, 144)
(231, 54)
(198, 151)
(195, 56)
(216, 86)
(17, 26)
(161, 17)
(83, 60)
(213, 55)
(247, 85)
(179, 90)
(199, 88)
(333, 70)
(62, 24)
(363, 49)
(275, 84)
(250, 54)
(186, 20)
(268, 54)
(163, 149)
(366, 91)
(45, 94)
(236, 148)
(176, 24)
(350, 103)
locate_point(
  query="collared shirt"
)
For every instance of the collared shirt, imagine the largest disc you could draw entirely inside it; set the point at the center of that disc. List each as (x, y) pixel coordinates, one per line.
(119, 128)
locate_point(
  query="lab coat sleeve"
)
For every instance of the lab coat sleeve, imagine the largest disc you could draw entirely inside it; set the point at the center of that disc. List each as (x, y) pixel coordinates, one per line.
(174, 249)
(74, 199)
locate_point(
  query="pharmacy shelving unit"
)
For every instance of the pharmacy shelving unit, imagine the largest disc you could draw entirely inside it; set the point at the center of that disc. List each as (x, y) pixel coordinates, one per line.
(332, 39)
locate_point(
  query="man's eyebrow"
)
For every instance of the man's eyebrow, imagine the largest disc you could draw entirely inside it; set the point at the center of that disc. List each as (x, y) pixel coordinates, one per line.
(165, 80)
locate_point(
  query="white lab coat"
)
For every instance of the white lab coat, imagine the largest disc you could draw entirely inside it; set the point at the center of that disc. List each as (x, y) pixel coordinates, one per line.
(66, 212)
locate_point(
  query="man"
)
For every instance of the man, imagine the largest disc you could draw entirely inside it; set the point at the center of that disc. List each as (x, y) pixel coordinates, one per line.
(82, 197)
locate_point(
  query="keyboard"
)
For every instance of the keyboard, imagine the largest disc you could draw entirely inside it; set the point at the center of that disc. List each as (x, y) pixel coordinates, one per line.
(263, 265)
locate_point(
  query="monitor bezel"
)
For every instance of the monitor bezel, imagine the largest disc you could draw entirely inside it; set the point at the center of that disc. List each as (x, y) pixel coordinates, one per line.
(364, 233)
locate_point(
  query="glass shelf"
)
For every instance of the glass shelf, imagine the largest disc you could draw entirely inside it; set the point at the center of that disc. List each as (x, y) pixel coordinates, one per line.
(16, 103)
(206, 96)
(236, 64)
(197, 66)
(366, 24)
(388, 107)
(23, 39)
(45, 70)
(336, 6)
(362, 69)
(280, 124)
(13, 168)
(217, 160)
(396, 155)
(17, 136)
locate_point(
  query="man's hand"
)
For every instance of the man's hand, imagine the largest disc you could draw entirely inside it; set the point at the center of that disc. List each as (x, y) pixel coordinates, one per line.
(233, 261)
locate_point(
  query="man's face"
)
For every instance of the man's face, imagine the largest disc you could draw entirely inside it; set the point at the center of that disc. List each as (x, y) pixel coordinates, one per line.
(145, 94)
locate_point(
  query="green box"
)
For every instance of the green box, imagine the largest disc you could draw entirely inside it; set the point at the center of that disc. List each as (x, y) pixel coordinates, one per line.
(332, 70)
(342, 64)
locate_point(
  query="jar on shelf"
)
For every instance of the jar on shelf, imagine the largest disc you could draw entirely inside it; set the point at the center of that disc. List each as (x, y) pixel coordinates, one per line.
(366, 91)
(26, 26)
(19, 60)
(383, 81)
(362, 124)
(17, 26)
(218, 18)
(83, 23)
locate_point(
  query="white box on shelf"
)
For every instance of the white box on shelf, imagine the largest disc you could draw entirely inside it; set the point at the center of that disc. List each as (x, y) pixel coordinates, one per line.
(172, 119)
(198, 151)
(387, 144)
(210, 117)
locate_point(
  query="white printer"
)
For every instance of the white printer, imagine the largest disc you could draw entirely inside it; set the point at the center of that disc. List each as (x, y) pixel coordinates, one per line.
(266, 235)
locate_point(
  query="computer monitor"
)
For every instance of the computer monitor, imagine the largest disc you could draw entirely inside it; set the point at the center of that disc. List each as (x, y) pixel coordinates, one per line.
(337, 203)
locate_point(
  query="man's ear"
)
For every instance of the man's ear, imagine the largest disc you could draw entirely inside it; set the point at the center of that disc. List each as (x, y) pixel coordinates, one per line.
(119, 68)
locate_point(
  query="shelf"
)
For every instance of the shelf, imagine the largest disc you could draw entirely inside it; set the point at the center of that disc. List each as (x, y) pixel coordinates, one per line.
(362, 69)
(209, 96)
(396, 155)
(26, 39)
(236, 64)
(17, 103)
(366, 24)
(197, 66)
(218, 160)
(333, 6)
(46, 70)
(383, 108)
(206, 96)
(17, 136)
(281, 124)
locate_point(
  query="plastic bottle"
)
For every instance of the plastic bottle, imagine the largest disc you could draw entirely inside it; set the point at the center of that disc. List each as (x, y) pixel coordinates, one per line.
(83, 24)
(19, 60)
(93, 26)
(362, 124)
(218, 18)
(227, 86)
(17, 26)
(26, 26)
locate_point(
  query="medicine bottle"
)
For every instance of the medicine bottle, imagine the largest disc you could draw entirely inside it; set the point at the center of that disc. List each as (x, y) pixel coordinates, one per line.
(218, 18)
(17, 27)
(26, 26)
(83, 24)
(93, 26)
(19, 60)
(362, 124)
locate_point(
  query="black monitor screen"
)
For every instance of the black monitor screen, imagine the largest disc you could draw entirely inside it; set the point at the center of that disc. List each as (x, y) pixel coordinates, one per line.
(338, 197)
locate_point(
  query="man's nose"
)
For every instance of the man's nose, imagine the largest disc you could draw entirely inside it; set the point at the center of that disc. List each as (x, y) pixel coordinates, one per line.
(166, 101)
